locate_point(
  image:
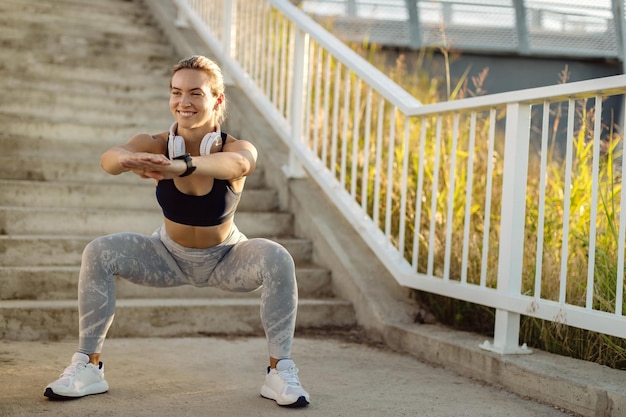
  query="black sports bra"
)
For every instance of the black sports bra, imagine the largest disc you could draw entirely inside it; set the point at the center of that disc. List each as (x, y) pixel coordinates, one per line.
(212, 209)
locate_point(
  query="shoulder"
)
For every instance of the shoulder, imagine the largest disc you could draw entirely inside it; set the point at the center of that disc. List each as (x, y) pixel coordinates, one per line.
(147, 137)
(244, 148)
(233, 144)
(149, 143)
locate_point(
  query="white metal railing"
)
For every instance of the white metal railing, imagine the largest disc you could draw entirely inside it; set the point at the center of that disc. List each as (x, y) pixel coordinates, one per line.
(512, 200)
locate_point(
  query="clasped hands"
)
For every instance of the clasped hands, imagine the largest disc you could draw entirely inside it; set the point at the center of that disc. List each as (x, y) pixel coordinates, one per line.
(151, 165)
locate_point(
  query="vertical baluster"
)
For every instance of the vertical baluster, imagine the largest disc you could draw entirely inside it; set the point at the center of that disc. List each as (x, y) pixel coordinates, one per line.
(566, 203)
(450, 199)
(488, 194)
(593, 215)
(468, 197)
(390, 164)
(418, 195)
(433, 202)
(510, 257)
(404, 186)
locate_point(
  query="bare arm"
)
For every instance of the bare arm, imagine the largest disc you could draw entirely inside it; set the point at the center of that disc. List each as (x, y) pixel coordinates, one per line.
(237, 160)
(129, 157)
(143, 155)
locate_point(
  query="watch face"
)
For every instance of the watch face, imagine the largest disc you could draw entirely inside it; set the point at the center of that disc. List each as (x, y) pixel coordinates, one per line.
(190, 168)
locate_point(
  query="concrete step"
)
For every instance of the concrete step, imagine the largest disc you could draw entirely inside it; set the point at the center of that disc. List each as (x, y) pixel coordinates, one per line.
(107, 195)
(40, 251)
(26, 36)
(87, 7)
(60, 283)
(46, 146)
(59, 194)
(90, 221)
(85, 66)
(37, 105)
(57, 320)
(146, 90)
(26, 42)
(37, 251)
(74, 20)
(81, 52)
(121, 74)
(79, 132)
(46, 43)
(21, 165)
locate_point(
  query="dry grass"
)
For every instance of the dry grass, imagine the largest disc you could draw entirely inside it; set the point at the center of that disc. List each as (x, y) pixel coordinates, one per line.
(552, 337)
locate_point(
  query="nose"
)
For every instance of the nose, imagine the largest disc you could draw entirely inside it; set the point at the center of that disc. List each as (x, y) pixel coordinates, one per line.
(185, 100)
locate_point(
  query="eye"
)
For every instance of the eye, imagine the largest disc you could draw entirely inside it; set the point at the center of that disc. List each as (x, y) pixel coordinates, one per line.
(175, 93)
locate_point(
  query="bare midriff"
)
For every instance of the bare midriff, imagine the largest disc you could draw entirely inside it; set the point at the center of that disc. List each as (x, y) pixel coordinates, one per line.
(197, 237)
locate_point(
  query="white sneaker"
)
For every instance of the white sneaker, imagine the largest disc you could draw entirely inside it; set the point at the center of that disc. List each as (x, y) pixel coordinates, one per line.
(282, 385)
(77, 380)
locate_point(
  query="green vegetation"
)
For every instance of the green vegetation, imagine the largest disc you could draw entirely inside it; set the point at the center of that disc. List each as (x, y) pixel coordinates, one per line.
(549, 336)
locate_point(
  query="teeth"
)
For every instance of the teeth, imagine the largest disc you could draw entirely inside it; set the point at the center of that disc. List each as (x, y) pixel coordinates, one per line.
(186, 113)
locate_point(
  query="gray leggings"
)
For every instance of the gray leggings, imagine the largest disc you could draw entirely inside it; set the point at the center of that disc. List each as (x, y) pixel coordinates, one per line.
(238, 264)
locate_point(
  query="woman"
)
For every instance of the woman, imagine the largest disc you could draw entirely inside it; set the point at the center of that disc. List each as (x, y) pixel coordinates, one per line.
(200, 174)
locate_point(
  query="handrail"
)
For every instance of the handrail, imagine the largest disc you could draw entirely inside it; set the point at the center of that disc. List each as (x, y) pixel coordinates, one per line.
(366, 71)
(444, 193)
(612, 85)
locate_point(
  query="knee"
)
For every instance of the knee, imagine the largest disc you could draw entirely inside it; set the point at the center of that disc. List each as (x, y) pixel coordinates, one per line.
(99, 249)
(280, 268)
(279, 256)
(96, 265)
(98, 243)
(93, 249)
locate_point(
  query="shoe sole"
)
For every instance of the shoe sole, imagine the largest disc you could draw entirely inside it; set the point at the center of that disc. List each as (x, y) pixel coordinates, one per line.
(300, 402)
(54, 396)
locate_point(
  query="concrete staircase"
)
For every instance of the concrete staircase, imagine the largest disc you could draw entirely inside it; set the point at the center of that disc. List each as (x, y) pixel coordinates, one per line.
(78, 76)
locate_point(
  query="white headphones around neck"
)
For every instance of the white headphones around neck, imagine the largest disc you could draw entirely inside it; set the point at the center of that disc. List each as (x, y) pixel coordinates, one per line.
(176, 144)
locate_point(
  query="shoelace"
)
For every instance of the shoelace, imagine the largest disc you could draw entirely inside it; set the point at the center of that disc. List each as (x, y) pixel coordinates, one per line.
(73, 369)
(290, 376)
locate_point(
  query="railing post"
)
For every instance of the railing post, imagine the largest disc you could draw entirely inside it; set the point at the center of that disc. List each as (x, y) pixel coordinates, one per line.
(511, 253)
(228, 44)
(620, 29)
(181, 18)
(415, 24)
(521, 26)
(294, 168)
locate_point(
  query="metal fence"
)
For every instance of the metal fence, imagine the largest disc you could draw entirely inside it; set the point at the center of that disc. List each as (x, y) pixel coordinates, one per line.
(512, 201)
(579, 28)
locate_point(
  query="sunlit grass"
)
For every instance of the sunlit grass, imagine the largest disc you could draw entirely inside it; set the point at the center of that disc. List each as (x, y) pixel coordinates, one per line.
(550, 336)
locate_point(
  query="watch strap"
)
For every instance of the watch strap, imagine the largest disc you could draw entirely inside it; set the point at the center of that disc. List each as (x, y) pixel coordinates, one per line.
(190, 168)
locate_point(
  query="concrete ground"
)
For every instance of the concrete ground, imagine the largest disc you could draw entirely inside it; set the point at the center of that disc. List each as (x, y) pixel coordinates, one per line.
(187, 377)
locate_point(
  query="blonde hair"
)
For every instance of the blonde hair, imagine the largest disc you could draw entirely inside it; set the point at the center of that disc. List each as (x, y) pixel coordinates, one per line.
(210, 68)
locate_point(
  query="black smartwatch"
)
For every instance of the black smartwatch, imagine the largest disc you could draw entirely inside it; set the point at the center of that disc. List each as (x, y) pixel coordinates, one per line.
(190, 168)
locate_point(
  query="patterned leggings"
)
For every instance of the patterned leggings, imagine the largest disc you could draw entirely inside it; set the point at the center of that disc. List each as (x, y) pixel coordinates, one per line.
(238, 264)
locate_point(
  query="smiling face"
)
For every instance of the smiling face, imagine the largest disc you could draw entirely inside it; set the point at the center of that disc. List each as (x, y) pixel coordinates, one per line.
(193, 102)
